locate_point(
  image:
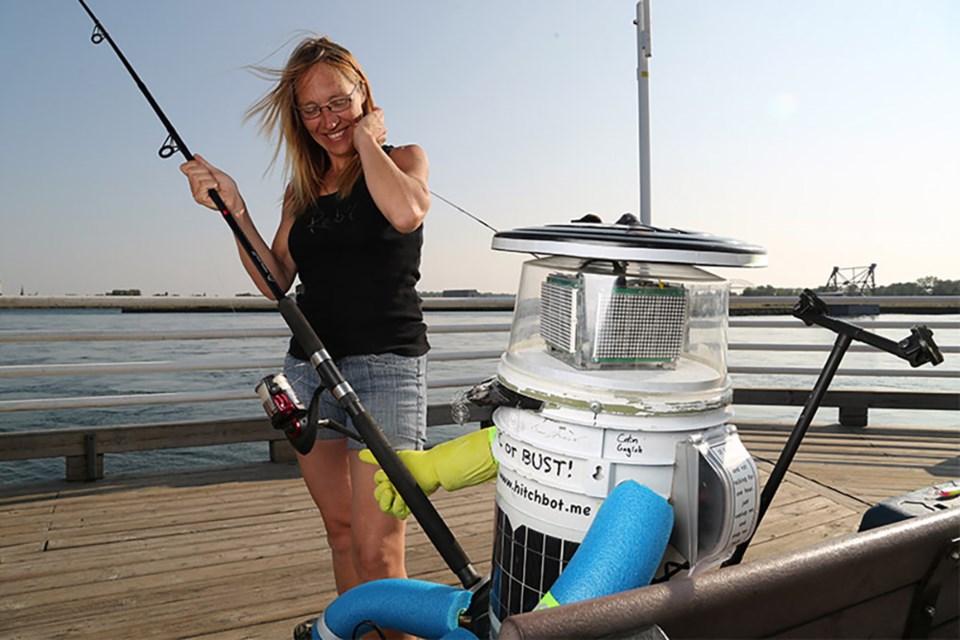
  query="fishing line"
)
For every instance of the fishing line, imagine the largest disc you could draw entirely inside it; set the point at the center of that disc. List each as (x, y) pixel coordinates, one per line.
(245, 336)
(464, 211)
(175, 144)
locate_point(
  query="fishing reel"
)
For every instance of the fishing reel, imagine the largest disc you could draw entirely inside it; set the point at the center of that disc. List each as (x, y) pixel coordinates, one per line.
(286, 412)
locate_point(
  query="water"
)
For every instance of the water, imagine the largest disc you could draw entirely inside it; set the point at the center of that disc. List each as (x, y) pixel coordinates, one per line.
(48, 353)
(40, 353)
(871, 359)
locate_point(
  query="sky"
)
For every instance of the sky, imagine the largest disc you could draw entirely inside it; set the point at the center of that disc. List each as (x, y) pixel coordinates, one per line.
(825, 131)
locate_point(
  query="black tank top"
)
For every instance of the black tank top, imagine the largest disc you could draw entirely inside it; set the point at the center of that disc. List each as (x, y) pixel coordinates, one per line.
(359, 278)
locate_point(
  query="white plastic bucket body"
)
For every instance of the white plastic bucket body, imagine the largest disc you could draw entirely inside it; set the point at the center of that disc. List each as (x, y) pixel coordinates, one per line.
(556, 467)
(561, 449)
(625, 376)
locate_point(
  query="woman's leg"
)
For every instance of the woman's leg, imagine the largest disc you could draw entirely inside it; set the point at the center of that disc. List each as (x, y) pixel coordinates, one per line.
(393, 389)
(378, 538)
(326, 473)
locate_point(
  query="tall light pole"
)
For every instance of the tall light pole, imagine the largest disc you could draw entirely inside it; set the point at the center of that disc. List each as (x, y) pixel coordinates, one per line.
(643, 82)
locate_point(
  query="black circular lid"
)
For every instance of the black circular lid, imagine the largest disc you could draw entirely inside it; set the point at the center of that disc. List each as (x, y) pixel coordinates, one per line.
(627, 239)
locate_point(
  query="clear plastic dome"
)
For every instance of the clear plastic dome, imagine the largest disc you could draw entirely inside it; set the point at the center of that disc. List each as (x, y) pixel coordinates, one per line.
(649, 327)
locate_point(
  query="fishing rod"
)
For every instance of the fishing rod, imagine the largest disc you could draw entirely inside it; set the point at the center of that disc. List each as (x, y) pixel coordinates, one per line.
(371, 433)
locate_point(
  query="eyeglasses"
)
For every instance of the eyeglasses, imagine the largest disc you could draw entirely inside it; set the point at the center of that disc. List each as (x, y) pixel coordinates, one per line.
(313, 111)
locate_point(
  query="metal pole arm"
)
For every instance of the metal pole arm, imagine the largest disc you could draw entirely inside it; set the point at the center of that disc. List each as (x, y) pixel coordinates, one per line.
(917, 349)
(779, 471)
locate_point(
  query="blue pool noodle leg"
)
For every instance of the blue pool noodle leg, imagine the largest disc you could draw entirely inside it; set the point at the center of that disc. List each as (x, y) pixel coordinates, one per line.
(420, 608)
(622, 548)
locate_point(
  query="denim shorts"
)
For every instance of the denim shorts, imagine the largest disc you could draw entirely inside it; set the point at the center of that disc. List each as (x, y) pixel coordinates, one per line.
(392, 388)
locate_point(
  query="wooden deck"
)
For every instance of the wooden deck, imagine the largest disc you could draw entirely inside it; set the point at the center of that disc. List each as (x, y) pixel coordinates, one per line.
(240, 552)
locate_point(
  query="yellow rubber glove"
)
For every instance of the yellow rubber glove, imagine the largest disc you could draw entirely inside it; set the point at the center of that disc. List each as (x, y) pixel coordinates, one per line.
(463, 462)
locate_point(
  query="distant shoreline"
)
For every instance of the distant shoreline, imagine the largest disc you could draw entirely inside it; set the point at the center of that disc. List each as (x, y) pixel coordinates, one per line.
(183, 304)
(739, 305)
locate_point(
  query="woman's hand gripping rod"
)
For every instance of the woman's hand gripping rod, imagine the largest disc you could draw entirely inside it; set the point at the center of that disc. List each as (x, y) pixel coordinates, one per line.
(426, 514)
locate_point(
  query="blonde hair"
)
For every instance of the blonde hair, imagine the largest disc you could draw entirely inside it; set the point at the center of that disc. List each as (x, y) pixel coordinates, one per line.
(306, 162)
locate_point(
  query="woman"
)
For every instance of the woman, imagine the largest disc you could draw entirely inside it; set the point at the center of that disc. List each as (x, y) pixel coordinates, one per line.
(351, 228)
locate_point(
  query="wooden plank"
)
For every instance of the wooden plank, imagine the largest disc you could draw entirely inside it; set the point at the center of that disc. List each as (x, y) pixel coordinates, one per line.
(101, 599)
(767, 545)
(58, 601)
(789, 519)
(25, 445)
(88, 559)
(176, 608)
(125, 438)
(849, 398)
(240, 552)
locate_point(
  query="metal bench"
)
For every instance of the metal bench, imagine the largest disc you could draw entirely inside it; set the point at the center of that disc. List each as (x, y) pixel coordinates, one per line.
(898, 580)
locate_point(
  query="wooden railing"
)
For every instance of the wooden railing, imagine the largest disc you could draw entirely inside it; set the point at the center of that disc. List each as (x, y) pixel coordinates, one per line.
(84, 448)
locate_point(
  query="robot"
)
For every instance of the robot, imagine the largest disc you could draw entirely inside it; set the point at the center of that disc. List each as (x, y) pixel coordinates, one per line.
(615, 371)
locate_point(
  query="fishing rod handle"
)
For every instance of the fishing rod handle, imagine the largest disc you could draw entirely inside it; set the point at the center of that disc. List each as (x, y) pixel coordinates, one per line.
(421, 507)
